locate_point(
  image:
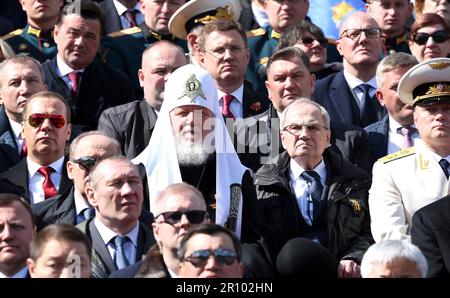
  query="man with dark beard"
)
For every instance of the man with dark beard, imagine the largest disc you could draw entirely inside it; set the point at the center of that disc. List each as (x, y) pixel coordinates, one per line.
(199, 152)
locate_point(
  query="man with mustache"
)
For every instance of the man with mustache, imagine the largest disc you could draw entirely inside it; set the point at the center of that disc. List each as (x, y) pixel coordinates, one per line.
(349, 95)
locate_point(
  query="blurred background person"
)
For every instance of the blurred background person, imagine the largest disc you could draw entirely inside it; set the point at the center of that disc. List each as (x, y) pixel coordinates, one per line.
(430, 37)
(441, 7)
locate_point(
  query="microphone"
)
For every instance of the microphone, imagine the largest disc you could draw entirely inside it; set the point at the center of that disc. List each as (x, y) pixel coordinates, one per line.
(235, 198)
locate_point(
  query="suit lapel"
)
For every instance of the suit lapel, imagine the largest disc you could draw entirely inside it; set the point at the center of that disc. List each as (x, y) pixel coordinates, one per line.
(100, 247)
(341, 96)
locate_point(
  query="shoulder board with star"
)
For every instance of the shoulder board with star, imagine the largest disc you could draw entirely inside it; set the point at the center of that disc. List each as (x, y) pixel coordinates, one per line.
(399, 154)
(256, 32)
(12, 34)
(124, 32)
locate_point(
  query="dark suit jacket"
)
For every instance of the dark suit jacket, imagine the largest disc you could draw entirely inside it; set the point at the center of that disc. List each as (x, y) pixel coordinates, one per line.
(9, 153)
(18, 175)
(61, 209)
(378, 137)
(257, 140)
(335, 95)
(130, 124)
(112, 19)
(102, 263)
(430, 231)
(253, 102)
(100, 87)
(127, 272)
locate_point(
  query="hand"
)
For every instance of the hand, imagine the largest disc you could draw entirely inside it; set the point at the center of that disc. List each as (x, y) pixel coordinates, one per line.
(348, 269)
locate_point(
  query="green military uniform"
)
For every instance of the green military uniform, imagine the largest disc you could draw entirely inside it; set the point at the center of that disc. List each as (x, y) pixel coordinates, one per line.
(32, 42)
(261, 43)
(397, 44)
(123, 50)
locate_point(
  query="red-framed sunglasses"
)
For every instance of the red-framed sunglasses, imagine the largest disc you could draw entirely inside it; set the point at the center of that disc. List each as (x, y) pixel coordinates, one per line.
(35, 120)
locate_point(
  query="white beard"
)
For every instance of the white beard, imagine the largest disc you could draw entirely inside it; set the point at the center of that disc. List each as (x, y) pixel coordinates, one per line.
(192, 154)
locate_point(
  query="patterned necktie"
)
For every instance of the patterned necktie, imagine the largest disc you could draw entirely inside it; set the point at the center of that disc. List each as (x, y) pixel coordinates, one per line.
(315, 189)
(130, 15)
(88, 213)
(226, 111)
(48, 186)
(406, 131)
(367, 113)
(120, 259)
(444, 165)
(73, 77)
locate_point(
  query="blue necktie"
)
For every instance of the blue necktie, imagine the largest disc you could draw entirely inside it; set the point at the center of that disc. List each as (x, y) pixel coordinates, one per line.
(120, 259)
(315, 189)
(88, 213)
(444, 165)
(367, 113)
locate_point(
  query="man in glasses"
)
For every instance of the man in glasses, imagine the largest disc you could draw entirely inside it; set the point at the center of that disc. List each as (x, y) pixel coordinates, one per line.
(349, 95)
(46, 129)
(72, 207)
(224, 54)
(210, 251)
(179, 208)
(310, 191)
(20, 78)
(392, 16)
(119, 238)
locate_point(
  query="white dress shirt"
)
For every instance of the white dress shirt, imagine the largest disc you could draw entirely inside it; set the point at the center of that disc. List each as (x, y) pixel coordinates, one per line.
(395, 140)
(36, 179)
(236, 105)
(80, 205)
(353, 82)
(130, 247)
(64, 70)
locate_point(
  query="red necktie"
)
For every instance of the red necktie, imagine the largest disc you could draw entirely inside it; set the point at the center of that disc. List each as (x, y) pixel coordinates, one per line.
(24, 150)
(130, 15)
(226, 111)
(48, 186)
(73, 77)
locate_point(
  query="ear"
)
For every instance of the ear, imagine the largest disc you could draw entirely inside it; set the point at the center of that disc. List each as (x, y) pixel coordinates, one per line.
(69, 131)
(380, 97)
(31, 267)
(70, 167)
(141, 76)
(267, 84)
(90, 194)
(156, 234)
(283, 141)
(339, 47)
(201, 58)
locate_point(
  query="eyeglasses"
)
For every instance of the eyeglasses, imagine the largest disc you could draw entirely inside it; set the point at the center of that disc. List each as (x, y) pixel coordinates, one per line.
(174, 217)
(35, 120)
(353, 34)
(296, 129)
(199, 258)
(421, 38)
(220, 51)
(307, 41)
(86, 162)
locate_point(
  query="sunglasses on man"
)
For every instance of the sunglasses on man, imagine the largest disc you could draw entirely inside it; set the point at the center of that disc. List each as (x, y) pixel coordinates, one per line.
(421, 38)
(86, 162)
(36, 119)
(174, 217)
(223, 257)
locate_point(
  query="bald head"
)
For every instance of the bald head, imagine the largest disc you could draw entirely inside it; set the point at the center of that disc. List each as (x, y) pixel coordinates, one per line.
(158, 62)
